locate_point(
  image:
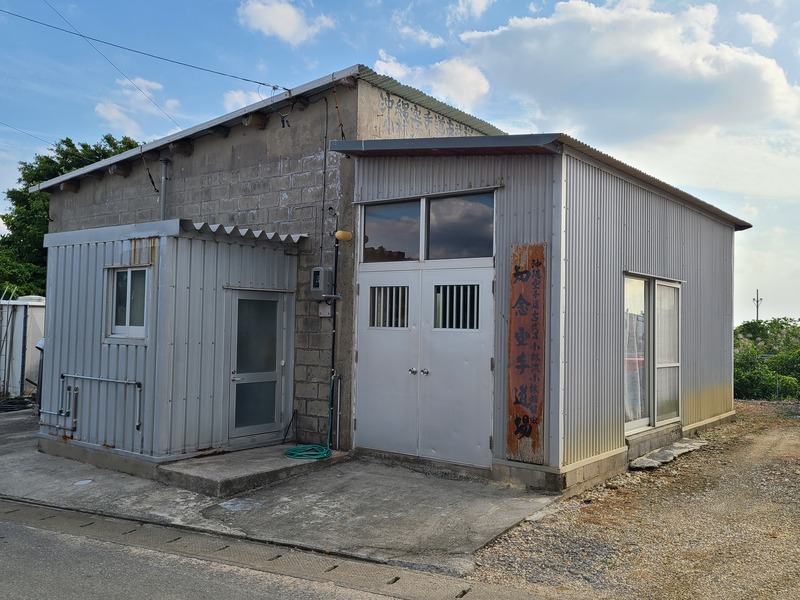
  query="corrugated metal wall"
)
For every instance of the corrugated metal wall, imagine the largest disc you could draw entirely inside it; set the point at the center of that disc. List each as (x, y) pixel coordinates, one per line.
(523, 215)
(613, 226)
(76, 327)
(183, 365)
(194, 331)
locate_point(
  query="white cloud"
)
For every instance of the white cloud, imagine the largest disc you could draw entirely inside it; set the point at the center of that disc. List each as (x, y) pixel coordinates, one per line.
(135, 101)
(762, 32)
(282, 19)
(754, 164)
(140, 96)
(118, 119)
(455, 80)
(416, 33)
(389, 65)
(749, 211)
(465, 9)
(767, 259)
(239, 98)
(627, 71)
(458, 82)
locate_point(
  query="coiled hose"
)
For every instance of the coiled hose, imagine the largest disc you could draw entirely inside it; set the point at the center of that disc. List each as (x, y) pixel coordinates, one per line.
(315, 451)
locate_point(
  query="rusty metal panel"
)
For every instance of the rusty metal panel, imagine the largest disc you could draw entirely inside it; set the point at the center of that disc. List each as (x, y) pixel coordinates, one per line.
(527, 328)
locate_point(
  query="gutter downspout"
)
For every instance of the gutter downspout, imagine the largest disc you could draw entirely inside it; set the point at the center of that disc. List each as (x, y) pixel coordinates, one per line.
(162, 196)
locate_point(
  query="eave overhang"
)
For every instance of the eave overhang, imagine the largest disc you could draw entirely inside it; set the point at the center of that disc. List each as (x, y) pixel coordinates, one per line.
(543, 143)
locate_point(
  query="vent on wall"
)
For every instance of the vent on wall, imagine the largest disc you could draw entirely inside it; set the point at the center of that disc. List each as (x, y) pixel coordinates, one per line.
(456, 306)
(388, 306)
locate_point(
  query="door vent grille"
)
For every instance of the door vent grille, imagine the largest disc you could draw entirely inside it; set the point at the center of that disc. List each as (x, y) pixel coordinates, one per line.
(456, 306)
(388, 306)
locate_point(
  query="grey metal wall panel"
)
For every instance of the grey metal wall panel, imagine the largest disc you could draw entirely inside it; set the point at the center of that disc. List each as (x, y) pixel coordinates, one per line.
(182, 364)
(388, 178)
(196, 331)
(615, 225)
(75, 332)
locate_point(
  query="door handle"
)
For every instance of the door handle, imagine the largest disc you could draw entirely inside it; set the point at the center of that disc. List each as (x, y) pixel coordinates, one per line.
(413, 371)
(424, 371)
(233, 378)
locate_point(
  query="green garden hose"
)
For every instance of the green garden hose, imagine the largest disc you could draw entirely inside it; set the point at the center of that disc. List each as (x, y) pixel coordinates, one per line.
(315, 451)
(308, 451)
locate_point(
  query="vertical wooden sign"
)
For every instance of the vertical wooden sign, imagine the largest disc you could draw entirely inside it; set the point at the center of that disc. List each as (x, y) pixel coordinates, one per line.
(526, 354)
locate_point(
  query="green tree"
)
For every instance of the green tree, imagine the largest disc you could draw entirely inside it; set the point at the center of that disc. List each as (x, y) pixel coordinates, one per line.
(23, 260)
(766, 359)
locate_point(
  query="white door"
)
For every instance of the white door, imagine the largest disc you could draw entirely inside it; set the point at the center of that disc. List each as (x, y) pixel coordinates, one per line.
(455, 376)
(387, 382)
(424, 380)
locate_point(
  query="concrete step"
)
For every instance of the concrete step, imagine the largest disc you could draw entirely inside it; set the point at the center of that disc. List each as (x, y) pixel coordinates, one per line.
(231, 473)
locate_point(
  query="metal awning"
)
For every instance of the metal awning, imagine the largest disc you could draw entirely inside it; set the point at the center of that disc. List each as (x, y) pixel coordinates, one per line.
(171, 228)
(241, 232)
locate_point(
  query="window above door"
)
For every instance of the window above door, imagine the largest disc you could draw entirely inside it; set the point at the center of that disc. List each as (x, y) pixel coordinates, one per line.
(441, 228)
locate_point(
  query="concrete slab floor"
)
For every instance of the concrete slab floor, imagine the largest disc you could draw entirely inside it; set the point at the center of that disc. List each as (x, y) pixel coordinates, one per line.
(387, 513)
(360, 508)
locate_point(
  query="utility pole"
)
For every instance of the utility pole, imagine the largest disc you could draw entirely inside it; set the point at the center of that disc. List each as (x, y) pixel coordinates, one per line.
(757, 301)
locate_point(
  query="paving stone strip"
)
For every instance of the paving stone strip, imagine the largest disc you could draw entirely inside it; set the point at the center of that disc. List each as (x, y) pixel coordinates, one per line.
(393, 582)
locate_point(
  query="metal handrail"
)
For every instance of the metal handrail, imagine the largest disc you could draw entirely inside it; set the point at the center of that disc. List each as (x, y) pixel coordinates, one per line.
(138, 385)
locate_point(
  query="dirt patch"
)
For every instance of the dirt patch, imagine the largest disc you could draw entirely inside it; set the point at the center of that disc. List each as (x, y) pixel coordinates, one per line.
(720, 522)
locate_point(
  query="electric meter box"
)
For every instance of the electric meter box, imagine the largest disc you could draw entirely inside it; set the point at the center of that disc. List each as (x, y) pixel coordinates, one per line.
(321, 283)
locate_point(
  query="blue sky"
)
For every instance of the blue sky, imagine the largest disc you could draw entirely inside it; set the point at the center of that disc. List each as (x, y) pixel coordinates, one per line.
(704, 95)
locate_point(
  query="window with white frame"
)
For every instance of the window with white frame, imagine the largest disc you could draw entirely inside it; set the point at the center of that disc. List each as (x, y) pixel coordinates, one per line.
(652, 352)
(129, 290)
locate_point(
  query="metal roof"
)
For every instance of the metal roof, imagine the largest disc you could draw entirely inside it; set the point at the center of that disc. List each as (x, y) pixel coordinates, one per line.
(241, 232)
(542, 143)
(168, 228)
(344, 77)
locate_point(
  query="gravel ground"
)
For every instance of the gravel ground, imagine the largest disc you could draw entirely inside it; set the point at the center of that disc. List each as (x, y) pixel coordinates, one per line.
(720, 522)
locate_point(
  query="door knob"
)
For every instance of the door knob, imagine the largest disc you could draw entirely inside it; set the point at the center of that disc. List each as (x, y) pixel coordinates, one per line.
(424, 371)
(413, 371)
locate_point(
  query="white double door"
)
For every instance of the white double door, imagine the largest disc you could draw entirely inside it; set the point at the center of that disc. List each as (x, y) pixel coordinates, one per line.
(424, 381)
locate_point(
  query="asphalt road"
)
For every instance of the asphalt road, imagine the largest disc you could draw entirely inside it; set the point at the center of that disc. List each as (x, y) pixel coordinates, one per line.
(37, 564)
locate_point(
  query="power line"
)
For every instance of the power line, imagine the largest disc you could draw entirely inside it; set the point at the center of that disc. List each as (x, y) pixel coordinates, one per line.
(133, 83)
(36, 137)
(155, 56)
